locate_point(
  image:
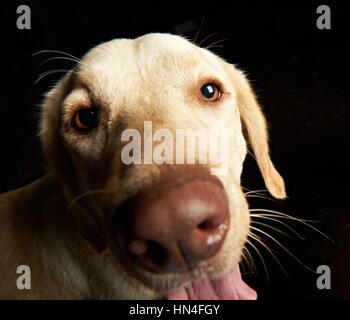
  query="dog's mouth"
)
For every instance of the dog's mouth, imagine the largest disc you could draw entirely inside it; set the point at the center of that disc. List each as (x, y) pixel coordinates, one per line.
(171, 240)
(227, 287)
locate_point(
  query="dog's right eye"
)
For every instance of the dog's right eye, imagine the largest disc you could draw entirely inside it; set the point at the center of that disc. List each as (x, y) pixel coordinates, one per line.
(85, 119)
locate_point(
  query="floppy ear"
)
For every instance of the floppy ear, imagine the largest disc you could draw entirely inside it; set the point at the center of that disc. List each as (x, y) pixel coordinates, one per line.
(58, 160)
(254, 123)
(56, 155)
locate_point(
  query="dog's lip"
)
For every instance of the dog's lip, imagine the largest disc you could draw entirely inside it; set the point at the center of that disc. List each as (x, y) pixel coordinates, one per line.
(194, 285)
(155, 282)
(227, 287)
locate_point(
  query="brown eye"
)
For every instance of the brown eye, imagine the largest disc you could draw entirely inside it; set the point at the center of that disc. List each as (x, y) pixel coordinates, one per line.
(85, 119)
(210, 92)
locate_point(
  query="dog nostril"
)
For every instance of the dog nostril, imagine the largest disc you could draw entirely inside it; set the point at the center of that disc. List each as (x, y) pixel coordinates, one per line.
(157, 253)
(138, 247)
(204, 225)
(208, 224)
(150, 254)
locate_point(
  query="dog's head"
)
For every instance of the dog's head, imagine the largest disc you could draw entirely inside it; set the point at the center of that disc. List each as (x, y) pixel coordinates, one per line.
(117, 132)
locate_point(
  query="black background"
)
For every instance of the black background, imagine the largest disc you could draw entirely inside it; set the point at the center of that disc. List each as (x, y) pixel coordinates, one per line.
(300, 74)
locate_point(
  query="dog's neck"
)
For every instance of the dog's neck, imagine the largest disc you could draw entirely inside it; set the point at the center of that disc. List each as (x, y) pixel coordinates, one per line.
(60, 240)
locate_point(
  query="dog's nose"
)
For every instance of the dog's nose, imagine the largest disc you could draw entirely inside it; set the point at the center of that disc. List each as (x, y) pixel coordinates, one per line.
(176, 228)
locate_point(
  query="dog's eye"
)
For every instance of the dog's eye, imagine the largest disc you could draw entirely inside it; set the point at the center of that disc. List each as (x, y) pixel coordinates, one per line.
(210, 92)
(85, 119)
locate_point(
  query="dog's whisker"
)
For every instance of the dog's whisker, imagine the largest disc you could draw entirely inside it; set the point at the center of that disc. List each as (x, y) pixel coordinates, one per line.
(303, 221)
(91, 192)
(44, 74)
(57, 58)
(249, 152)
(271, 227)
(280, 214)
(57, 51)
(283, 247)
(250, 260)
(261, 216)
(93, 219)
(206, 38)
(262, 197)
(247, 259)
(280, 217)
(98, 208)
(255, 191)
(260, 240)
(215, 44)
(75, 200)
(260, 256)
(244, 263)
(199, 29)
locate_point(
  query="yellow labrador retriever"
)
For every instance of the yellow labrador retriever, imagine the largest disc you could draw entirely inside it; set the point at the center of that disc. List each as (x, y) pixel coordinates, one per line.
(100, 227)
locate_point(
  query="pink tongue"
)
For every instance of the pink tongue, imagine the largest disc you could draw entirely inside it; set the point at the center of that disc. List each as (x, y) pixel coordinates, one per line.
(228, 287)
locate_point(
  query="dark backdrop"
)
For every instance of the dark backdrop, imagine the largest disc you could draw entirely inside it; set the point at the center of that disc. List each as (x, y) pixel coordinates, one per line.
(300, 74)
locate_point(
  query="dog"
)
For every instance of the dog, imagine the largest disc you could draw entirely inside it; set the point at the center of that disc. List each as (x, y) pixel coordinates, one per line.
(95, 227)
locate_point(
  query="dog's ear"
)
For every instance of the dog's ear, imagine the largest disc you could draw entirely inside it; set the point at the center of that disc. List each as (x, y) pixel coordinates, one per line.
(254, 124)
(56, 156)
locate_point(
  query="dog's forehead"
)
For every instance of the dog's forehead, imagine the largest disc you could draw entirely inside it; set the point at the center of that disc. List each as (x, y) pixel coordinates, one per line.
(127, 61)
(153, 44)
(130, 55)
(166, 42)
(127, 73)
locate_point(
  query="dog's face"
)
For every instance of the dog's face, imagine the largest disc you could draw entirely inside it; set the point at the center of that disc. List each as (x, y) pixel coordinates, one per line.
(172, 228)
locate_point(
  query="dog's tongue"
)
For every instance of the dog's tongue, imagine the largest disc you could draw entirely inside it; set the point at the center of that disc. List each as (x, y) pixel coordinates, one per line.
(228, 287)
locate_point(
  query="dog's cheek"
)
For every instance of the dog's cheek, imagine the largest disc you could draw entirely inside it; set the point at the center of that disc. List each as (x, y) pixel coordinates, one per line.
(61, 163)
(92, 235)
(239, 220)
(85, 153)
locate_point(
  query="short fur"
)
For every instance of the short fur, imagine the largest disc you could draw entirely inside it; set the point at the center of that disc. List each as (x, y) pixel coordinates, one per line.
(59, 224)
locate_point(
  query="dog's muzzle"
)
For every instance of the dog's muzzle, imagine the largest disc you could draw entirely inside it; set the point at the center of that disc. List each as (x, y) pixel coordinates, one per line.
(174, 227)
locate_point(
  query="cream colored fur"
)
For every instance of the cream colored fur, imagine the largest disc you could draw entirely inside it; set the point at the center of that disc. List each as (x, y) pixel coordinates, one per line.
(61, 236)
